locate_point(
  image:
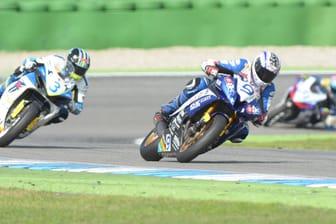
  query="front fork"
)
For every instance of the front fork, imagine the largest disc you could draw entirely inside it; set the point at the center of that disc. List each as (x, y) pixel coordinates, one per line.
(209, 113)
(17, 110)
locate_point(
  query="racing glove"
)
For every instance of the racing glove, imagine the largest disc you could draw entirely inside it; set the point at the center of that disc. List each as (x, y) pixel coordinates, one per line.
(29, 65)
(259, 121)
(210, 68)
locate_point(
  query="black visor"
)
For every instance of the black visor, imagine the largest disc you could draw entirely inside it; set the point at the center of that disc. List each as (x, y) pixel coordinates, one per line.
(264, 74)
(80, 71)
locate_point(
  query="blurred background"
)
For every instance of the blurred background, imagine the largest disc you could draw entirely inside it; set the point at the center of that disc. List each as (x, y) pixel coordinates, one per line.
(101, 24)
(97, 25)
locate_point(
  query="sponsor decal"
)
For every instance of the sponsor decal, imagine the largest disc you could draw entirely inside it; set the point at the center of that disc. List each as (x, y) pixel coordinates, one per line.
(252, 109)
(19, 84)
(168, 142)
(228, 80)
(176, 143)
(229, 83)
(249, 109)
(199, 102)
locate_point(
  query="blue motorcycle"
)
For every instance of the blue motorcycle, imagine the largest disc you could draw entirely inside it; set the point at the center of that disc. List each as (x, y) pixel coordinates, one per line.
(205, 121)
(33, 100)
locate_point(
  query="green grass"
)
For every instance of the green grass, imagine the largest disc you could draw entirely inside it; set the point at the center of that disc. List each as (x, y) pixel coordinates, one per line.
(28, 207)
(36, 197)
(304, 141)
(29, 196)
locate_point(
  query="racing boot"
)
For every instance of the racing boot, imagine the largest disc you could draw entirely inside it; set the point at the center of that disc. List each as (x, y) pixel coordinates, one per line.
(161, 118)
(192, 87)
(240, 136)
(160, 121)
(62, 116)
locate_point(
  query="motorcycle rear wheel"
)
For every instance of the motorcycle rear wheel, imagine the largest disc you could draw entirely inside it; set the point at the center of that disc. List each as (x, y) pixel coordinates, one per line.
(22, 120)
(148, 147)
(202, 141)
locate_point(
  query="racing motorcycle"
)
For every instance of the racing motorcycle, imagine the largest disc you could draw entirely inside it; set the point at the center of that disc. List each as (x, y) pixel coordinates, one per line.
(203, 122)
(33, 100)
(302, 105)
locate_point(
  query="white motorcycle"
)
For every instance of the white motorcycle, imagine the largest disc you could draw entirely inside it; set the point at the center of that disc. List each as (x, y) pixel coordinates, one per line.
(33, 100)
(302, 105)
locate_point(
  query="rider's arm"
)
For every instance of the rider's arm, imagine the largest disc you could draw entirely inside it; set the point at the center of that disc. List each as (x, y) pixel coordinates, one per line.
(265, 103)
(79, 92)
(212, 67)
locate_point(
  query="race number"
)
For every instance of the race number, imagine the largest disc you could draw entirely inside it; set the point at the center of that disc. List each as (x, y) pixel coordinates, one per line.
(248, 89)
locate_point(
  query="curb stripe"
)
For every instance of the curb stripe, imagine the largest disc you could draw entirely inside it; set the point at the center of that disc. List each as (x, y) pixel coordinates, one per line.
(171, 173)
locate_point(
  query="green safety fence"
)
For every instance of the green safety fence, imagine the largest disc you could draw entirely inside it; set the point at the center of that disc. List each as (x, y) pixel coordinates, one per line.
(98, 24)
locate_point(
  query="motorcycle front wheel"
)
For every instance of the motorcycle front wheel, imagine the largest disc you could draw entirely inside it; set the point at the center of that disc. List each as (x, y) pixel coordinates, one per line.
(276, 115)
(202, 140)
(15, 125)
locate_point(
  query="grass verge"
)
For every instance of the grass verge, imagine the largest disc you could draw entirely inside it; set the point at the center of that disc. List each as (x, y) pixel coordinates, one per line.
(304, 141)
(29, 196)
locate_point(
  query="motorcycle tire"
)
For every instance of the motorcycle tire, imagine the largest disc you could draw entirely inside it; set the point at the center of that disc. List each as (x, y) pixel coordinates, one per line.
(202, 141)
(24, 119)
(148, 147)
(276, 115)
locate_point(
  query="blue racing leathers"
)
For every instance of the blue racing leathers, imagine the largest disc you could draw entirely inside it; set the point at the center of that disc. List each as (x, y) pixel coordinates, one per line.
(259, 99)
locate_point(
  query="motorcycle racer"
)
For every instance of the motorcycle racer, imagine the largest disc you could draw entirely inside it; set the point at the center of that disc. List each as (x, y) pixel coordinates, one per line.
(77, 63)
(309, 101)
(259, 88)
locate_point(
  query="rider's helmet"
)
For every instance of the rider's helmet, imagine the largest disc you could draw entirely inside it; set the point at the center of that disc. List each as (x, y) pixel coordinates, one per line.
(333, 85)
(80, 60)
(265, 68)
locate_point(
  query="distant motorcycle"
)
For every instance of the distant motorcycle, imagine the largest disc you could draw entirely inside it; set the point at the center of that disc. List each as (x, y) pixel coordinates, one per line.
(205, 121)
(302, 105)
(32, 101)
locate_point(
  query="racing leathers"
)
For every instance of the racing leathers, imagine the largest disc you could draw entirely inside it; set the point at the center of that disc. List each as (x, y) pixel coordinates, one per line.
(254, 100)
(79, 86)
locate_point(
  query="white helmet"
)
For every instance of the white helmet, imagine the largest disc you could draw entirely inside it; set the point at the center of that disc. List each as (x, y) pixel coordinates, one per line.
(265, 68)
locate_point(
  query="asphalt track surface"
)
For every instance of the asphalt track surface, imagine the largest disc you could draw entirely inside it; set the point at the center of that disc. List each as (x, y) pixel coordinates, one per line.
(119, 110)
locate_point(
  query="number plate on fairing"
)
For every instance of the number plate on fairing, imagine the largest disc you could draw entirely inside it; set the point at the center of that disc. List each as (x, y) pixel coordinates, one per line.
(56, 85)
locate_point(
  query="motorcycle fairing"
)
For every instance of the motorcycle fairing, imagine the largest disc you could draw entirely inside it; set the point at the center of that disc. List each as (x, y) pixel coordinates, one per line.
(56, 85)
(168, 144)
(224, 84)
(241, 95)
(15, 89)
(200, 100)
(13, 92)
(303, 96)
